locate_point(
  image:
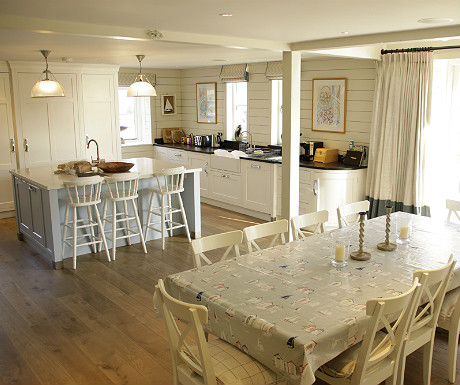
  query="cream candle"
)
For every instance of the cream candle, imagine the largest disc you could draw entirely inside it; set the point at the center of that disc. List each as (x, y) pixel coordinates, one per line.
(340, 253)
(404, 232)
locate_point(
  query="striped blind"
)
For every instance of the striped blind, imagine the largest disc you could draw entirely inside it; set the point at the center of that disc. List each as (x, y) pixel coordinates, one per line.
(234, 73)
(274, 70)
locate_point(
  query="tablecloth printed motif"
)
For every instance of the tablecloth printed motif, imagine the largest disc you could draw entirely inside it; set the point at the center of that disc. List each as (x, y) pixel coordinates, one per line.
(289, 308)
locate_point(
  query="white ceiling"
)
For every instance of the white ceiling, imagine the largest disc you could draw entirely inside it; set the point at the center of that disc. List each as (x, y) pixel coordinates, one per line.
(194, 34)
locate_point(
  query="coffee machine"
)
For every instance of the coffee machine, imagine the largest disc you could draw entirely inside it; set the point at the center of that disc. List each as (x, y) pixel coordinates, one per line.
(307, 149)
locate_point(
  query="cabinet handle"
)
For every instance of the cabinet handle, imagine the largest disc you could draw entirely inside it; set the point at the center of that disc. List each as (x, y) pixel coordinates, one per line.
(26, 145)
(315, 185)
(255, 166)
(205, 167)
(177, 154)
(225, 176)
(12, 145)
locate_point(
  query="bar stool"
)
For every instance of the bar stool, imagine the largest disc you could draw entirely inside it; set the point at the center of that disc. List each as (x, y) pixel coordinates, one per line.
(83, 192)
(170, 182)
(121, 188)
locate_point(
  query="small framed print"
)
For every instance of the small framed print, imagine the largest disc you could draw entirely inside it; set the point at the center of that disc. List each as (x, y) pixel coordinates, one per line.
(168, 104)
(329, 105)
(206, 94)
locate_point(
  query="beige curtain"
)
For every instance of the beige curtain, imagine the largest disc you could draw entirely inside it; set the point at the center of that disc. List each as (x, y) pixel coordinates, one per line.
(398, 133)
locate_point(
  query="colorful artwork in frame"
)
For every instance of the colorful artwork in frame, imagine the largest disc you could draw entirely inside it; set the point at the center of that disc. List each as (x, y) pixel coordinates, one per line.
(206, 103)
(329, 106)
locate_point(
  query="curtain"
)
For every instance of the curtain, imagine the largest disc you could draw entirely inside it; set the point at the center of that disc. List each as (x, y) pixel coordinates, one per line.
(274, 70)
(234, 73)
(402, 99)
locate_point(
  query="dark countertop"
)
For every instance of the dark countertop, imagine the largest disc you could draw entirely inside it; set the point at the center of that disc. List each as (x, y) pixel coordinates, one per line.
(265, 158)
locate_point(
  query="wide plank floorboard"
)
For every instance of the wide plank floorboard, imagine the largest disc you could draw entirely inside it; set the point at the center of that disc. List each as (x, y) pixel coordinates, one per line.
(96, 325)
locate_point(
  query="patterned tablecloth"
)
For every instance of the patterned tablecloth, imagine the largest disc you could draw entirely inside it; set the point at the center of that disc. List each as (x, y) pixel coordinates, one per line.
(289, 308)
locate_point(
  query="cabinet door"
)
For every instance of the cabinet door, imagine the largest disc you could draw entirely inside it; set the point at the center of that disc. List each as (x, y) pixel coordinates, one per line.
(178, 156)
(258, 192)
(100, 119)
(225, 187)
(161, 153)
(24, 208)
(201, 161)
(308, 187)
(36, 207)
(7, 145)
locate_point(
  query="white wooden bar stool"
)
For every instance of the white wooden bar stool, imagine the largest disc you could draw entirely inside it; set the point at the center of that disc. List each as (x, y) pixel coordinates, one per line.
(83, 192)
(121, 188)
(170, 182)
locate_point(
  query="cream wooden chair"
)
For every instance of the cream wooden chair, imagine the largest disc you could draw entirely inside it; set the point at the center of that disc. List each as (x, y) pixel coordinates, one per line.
(453, 207)
(277, 229)
(317, 219)
(422, 325)
(349, 213)
(376, 358)
(205, 363)
(170, 182)
(83, 193)
(121, 188)
(231, 240)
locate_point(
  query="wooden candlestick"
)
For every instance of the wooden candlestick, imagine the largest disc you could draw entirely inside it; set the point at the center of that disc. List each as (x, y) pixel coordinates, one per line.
(360, 254)
(387, 246)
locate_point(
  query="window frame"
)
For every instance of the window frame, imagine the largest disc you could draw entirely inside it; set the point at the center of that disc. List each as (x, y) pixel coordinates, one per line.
(231, 109)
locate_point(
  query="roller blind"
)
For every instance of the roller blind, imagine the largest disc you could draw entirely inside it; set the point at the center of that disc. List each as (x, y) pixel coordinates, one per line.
(234, 73)
(127, 78)
(274, 70)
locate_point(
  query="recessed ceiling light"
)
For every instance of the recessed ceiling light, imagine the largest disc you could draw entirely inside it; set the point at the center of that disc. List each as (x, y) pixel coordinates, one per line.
(435, 20)
(225, 14)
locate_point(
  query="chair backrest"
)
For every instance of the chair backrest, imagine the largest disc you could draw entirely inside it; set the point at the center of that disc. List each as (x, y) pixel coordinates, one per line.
(277, 229)
(317, 219)
(453, 207)
(231, 240)
(434, 285)
(349, 213)
(372, 354)
(122, 185)
(193, 316)
(171, 179)
(85, 190)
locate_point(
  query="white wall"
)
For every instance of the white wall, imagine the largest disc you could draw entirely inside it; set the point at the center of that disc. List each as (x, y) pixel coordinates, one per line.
(360, 76)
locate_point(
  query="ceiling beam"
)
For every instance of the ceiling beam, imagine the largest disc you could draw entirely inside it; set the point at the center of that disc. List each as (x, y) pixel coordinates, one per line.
(49, 26)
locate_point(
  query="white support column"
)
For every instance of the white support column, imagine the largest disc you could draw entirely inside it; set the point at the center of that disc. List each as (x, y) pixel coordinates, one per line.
(291, 136)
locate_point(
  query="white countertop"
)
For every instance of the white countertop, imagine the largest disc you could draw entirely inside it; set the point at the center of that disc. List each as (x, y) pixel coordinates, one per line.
(45, 178)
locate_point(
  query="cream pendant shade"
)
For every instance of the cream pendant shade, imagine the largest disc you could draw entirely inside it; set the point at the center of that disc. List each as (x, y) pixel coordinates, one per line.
(141, 86)
(48, 86)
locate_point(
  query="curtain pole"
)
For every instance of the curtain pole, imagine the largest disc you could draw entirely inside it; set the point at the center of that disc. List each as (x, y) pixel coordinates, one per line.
(420, 49)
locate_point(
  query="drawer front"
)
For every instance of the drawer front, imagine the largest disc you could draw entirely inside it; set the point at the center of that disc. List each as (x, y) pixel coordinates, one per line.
(178, 156)
(223, 163)
(225, 187)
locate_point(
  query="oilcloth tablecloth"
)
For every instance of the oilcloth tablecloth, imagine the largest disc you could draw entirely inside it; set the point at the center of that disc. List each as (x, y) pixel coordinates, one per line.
(289, 308)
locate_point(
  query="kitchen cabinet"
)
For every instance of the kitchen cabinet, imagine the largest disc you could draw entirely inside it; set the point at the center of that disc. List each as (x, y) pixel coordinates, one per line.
(258, 186)
(197, 160)
(225, 181)
(178, 156)
(7, 148)
(161, 153)
(30, 211)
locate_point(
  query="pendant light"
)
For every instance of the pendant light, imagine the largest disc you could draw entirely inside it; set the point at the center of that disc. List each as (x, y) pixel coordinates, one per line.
(47, 87)
(141, 85)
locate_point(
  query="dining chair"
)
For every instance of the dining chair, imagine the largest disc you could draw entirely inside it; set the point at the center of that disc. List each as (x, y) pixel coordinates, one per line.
(376, 358)
(231, 240)
(453, 207)
(121, 188)
(170, 182)
(422, 325)
(316, 219)
(349, 213)
(83, 193)
(277, 229)
(205, 362)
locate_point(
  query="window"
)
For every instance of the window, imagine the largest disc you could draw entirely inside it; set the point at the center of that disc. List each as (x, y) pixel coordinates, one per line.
(237, 107)
(134, 114)
(277, 111)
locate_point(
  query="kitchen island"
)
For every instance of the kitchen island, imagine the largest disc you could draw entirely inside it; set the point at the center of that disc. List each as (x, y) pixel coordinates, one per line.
(39, 196)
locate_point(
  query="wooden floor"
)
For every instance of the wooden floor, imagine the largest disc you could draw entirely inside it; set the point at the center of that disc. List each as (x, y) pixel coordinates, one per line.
(96, 325)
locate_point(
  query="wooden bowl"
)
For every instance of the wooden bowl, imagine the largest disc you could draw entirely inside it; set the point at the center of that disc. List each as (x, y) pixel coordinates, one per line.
(115, 166)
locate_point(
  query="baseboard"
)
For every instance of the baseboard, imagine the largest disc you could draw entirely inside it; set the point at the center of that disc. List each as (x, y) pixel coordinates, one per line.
(7, 214)
(237, 209)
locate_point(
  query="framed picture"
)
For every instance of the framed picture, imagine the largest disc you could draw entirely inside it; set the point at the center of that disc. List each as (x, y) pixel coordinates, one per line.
(329, 105)
(206, 102)
(168, 104)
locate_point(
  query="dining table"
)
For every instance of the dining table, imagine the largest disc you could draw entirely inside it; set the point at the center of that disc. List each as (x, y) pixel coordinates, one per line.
(289, 308)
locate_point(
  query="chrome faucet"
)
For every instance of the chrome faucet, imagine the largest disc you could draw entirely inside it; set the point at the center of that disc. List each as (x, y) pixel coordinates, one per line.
(97, 151)
(249, 135)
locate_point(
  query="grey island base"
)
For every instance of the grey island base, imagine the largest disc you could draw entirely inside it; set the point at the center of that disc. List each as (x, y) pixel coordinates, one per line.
(40, 206)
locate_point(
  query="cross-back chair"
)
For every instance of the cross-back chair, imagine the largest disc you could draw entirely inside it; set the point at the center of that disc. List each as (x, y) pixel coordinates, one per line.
(349, 214)
(276, 229)
(316, 219)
